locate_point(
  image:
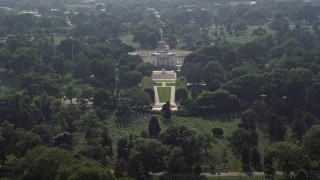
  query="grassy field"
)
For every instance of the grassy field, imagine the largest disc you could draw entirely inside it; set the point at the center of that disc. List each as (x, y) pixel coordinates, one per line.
(243, 37)
(57, 39)
(164, 94)
(198, 124)
(127, 39)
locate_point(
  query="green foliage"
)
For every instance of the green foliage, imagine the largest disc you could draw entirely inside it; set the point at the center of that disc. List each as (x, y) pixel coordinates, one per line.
(241, 70)
(149, 155)
(219, 100)
(91, 173)
(154, 127)
(44, 162)
(181, 89)
(36, 83)
(166, 111)
(189, 141)
(123, 112)
(287, 155)
(140, 100)
(147, 86)
(242, 138)
(217, 132)
(197, 169)
(145, 68)
(311, 141)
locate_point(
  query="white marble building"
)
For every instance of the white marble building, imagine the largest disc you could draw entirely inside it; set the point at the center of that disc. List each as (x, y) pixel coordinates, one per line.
(162, 57)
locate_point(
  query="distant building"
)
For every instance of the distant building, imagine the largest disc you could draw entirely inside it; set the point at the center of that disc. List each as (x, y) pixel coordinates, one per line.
(162, 57)
(34, 13)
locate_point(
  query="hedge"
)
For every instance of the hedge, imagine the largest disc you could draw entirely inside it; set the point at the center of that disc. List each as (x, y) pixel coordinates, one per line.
(181, 88)
(147, 86)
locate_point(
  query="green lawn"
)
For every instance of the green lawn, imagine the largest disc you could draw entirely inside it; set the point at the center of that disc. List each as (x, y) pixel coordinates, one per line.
(170, 84)
(164, 94)
(244, 37)
(201, 125)
(127, 39)
(198, 124)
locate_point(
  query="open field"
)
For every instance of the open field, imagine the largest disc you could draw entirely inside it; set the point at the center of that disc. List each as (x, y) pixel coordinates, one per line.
(127, 39)
(198, 124)
(244, 37)
(164, 94)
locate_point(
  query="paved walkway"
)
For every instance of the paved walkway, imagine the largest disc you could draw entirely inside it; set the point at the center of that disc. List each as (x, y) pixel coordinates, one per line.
(222, 174)
(163, 78)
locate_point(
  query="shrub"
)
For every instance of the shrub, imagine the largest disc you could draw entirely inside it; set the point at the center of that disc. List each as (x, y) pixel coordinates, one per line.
(147, 86)
(181, 88)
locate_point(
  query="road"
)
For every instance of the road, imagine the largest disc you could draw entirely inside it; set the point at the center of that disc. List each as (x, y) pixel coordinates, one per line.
(220, 175)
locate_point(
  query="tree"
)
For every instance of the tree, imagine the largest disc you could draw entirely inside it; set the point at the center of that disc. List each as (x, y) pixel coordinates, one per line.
(44, 132)
(217, 132)
(70, 47)
(16, 109)
(275, 127)
(245, 87)
(46, 104)
(91, 173)
(59, 65)
(189, 141)
(104, 71)
(140, 99)
(255, 158)
(150, 154)
(241, 138)
(245, 157)
(82, 69)
(154, 127)
(70, 93)
(119, 169)
(25, 58)
(44, 162)
(129, 78)
(311, 142)
(197, 169)
(63, 140)
(175, 160)
(123, 112)
(5, 58)
(219, 100)
(24, 141)
(7, 135)
(145, 68)
(248, 120)
(259, 32)
(212, 70)
(287, 155)
(166, 111)
(192, 71)
(35, 83)
(104, 99)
